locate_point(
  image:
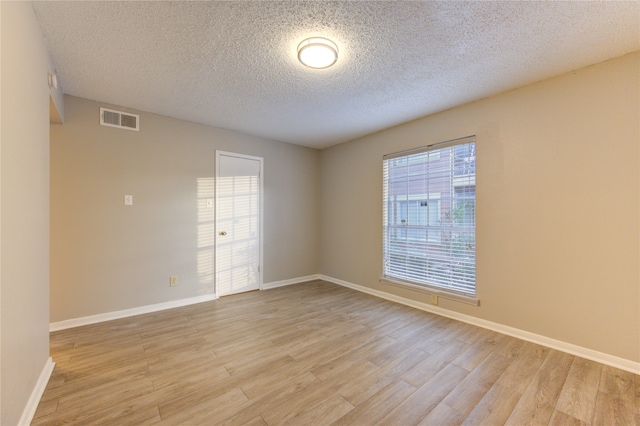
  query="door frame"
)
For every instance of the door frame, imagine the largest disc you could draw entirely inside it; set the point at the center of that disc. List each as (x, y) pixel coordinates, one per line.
(260, 160)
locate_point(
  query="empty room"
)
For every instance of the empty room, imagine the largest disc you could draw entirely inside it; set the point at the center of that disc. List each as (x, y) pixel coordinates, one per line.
(320, 212)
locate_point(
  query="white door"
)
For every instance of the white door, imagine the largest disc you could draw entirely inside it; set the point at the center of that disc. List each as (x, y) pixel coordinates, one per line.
(238, 223)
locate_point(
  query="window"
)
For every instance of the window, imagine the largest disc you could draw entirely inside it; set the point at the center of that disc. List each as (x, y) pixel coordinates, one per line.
(429, 213)
(416, 215)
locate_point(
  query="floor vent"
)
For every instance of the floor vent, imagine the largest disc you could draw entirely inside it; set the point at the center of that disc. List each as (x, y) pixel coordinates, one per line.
(119, 119)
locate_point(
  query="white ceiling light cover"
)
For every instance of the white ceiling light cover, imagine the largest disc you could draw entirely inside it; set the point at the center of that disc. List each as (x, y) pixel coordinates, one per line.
(317, 52)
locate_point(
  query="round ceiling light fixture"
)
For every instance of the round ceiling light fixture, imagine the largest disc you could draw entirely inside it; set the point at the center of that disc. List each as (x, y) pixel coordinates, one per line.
(317, 52)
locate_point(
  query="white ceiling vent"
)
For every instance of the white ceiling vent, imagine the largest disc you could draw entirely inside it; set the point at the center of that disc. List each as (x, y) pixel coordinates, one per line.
(122, 120)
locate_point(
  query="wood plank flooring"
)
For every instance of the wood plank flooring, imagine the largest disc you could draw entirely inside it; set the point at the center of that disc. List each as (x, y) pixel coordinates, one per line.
(320, 354)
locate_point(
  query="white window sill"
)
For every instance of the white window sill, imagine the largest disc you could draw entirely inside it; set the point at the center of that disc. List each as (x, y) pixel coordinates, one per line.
(450, 295)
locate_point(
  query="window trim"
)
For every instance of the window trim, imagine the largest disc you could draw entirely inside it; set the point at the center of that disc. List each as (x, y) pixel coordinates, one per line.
(426, 288)
(437, 291)
(439, 145)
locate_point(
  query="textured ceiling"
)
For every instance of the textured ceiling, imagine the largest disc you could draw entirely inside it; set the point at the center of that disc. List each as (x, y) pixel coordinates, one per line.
(234, 64)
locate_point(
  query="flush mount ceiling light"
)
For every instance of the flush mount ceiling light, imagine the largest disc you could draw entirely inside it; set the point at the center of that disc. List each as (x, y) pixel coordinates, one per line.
(317, 52)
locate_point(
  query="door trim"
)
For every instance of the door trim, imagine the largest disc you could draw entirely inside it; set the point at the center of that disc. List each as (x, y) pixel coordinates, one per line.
(260, 160)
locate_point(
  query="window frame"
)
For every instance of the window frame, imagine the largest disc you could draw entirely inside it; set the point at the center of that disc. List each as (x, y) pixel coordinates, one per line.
(423, 286)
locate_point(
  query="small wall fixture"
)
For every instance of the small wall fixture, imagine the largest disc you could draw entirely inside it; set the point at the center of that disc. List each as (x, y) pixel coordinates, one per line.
(317, 52)
(53, 81)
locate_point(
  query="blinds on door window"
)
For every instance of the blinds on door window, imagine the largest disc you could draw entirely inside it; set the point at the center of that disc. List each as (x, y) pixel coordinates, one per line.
(429, 213)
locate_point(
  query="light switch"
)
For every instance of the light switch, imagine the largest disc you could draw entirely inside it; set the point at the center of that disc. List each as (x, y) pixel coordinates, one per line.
(209, 203)
(128, 200)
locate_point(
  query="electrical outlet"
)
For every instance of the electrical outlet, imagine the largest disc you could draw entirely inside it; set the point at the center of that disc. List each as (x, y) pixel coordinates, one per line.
(173, 280)
(434, 299)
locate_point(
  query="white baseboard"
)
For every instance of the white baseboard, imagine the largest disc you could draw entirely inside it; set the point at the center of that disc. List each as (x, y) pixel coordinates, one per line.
(601, 357)
(108, 316)
(36, 394)
(291, 281)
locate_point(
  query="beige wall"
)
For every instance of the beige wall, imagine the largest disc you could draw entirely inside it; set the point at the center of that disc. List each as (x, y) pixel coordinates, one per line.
(24, 200)
(107, 257)
(557, 206)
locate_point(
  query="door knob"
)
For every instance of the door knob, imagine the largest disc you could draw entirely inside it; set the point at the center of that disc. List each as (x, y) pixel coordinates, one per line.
(222, 233)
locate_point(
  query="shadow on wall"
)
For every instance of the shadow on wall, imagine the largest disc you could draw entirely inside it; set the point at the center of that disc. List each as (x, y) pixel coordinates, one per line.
(206, 240)
(237, 248)
(239, 215)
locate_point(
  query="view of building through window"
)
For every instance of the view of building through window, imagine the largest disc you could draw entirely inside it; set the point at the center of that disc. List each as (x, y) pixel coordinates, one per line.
(429, 217)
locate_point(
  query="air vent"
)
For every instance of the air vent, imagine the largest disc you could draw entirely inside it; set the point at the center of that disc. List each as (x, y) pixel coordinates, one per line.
(119, 119)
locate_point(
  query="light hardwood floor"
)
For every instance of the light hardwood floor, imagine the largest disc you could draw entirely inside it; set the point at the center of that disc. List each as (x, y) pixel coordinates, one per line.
(320, 354)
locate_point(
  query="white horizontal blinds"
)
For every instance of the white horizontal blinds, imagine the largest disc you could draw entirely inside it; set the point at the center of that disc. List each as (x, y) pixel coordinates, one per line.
(429, 216)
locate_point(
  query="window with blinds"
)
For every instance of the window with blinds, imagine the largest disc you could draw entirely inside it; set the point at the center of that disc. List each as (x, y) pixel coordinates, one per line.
(429, 213)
